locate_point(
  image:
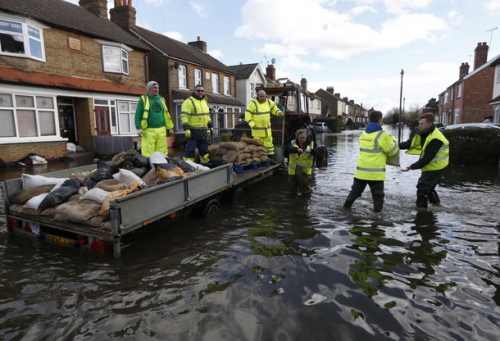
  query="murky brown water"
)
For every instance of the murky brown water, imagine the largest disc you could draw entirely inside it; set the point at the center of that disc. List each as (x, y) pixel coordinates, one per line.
(279, 268)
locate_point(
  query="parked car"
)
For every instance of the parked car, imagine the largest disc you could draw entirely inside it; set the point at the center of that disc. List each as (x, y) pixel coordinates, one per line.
(473, 125)
(320, 127)
(439, 126)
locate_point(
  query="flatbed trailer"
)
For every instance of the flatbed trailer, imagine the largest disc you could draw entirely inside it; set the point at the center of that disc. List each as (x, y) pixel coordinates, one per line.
(201, 191)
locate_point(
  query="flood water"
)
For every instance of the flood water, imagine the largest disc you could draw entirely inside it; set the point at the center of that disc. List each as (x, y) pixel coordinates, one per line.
(279, 268)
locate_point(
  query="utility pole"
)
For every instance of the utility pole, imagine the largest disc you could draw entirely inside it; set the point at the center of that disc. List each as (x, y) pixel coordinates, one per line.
(400, 105)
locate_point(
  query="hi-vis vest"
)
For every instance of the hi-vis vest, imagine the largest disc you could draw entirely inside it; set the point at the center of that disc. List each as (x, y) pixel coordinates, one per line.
(166, 116)
(442, 157)
(196, 115)
(260, 119)
(305, 160)
(372, 158)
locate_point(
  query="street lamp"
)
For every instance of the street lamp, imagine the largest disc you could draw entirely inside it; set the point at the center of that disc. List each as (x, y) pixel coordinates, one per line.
(400, 106)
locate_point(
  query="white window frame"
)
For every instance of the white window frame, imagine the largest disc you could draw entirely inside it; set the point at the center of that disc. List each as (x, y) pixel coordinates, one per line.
(252, 91)
(498, 73)
(459, 90)
(215, 83)
(446, 97)
(227, 86)
(29, 31)
(13, 107)
(197, 77)
(181, 71)
(126, 117)
(115, 57)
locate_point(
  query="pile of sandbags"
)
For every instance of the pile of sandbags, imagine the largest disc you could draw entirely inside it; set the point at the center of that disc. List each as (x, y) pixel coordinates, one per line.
(245, 151)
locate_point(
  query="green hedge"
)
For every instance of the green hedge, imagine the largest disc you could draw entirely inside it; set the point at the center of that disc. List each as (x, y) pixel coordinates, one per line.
(474, 146)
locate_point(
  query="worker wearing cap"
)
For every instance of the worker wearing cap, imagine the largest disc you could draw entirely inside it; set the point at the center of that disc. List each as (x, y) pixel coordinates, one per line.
(258, 116)
(152, 121)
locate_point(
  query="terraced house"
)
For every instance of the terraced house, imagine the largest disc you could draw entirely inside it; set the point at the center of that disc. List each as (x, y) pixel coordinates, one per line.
(67, 74)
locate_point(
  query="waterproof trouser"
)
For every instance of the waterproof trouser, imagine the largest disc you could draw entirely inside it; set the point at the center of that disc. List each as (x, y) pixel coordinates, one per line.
(267, 143)
(426, 188)
(202, 145)
(300, 180)
(154, 140)
(358, 187)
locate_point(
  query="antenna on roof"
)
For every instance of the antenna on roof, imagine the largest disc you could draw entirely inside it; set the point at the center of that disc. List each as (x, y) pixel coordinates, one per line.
(491, 33)
(273, 61)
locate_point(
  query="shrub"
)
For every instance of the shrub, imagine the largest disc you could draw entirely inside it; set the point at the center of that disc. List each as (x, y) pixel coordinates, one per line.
(474, 146)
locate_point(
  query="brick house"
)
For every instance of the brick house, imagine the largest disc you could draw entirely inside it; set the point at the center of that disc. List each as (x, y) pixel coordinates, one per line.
(178, 67)
(67, 74)
(468, 99)
(495, 102)
(335, 106)
(247, 78)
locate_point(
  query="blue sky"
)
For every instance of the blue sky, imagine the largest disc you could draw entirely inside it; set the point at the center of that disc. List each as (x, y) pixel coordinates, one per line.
(357, 46)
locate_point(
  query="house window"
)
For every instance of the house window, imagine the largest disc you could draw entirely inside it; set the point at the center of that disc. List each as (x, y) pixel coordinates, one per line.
(227, 86)
(446, 97)
(215, 83)
(459, 90)
(27, 116)
(252, 90)
(498, 74)
(182, 77)
(126, 114)
(197, 77)
(115, 59)
(18, 38)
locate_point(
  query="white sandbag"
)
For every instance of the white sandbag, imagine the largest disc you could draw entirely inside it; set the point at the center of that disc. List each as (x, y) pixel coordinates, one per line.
(33, 181)
(35, 201)
(393, 160)
(156, 157)
(127, 177)
(71, 147)
(95, 194)
(38, 160)
(197, 165)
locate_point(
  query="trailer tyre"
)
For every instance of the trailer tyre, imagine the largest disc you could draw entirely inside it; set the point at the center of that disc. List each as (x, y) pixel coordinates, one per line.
(237, 196)
(211, 207)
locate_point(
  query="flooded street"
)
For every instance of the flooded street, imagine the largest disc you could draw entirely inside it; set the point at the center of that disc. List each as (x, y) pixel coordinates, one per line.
(279, 268)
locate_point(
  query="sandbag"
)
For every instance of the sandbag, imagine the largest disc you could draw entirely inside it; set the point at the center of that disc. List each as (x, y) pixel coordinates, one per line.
(236, 146)
(127, 177)
(33, 181)
(197, 166)
(165, 165)
(111, 185)
(95, 194)
(186, 167)
(117, 194)
(76, 212)
(98, 175)
(35, 202)
(156, 157)
(60, 195)
(393, 160)
(248, 140)
(22, 196)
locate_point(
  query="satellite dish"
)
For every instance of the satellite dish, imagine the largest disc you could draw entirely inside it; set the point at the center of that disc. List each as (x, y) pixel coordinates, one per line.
(273, 60)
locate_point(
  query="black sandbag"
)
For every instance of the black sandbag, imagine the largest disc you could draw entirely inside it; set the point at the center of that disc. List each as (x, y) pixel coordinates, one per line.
(140, 172)
(99, 174)
(186, 167)
(60, 195)
(139, 160)
(167, 166)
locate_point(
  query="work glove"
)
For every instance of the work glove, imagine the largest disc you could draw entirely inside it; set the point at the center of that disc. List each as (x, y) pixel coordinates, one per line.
(187, 133)
(170, 132)
(211, 134)
(139, 132)
(280, 114)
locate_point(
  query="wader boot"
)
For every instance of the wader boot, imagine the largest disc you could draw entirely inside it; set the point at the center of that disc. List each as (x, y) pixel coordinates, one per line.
(349, 201)
(434, 198)
(378, 204)
(422, 201)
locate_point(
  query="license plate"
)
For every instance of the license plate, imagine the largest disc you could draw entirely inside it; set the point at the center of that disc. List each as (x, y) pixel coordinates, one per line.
(60, 240)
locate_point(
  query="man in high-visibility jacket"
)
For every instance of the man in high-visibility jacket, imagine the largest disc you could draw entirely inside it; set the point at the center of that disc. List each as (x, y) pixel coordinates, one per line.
(258, 116)
(374, 146)
(152, 121)
(195, 119)
(301, 154)
(434, 152)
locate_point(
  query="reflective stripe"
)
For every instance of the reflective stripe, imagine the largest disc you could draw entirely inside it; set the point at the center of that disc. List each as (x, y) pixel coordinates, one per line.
(370, 150)
(371, 170)
(260, 128)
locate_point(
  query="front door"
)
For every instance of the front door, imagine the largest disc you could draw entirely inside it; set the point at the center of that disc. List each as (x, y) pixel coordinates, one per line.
(67, 122)
(102, 125)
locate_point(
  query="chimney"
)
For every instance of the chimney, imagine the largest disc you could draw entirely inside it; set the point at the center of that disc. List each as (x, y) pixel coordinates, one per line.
(337, 94)
(123, 14)
(480, 55)
(271, 72)
(303, 84)
(329, 89)
(199, 44)
(97, 7)
(464, 70)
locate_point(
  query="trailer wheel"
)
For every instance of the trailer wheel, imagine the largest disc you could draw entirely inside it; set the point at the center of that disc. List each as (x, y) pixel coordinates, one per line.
(211, 207)
(237, 196)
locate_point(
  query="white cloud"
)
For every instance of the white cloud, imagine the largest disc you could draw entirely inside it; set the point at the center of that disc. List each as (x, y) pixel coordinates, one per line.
(174, 35)
(493, 6)
(216, 53)
(199, 8)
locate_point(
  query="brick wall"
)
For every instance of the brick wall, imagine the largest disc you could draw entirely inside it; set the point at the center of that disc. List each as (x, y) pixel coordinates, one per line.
(17, 151)
(477, 93)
